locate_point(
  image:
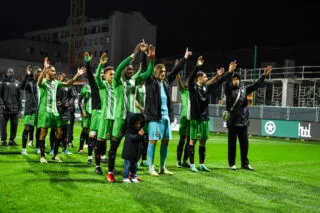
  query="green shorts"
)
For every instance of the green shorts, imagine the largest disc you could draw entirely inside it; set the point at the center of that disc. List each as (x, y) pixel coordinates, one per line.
(85, 122)
(184, 126)
(49, 120)
(105, 129)
(30, 120)
(119, 128)
(94, 123)
(199, 130)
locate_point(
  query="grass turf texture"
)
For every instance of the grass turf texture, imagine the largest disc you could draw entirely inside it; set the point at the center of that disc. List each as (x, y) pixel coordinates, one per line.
(286, 179)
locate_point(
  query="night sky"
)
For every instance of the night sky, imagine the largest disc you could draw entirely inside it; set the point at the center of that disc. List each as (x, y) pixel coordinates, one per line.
(226, 25)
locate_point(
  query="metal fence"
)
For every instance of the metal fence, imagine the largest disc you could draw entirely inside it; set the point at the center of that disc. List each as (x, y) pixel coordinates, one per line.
(268, 112)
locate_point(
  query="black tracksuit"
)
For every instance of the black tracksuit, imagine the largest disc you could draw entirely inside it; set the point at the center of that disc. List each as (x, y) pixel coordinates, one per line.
(152, 108)
(239, 119)
(67, 95)
(29, 86)
(10, 98)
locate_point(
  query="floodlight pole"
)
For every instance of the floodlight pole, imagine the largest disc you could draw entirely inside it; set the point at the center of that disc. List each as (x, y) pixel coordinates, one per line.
(255, 61)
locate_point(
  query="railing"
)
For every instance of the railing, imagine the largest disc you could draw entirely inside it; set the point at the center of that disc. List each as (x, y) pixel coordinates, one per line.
(310, 114)
(298, 72)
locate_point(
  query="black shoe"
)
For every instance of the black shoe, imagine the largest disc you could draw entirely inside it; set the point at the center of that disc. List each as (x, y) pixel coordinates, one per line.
(98, 170)
(4, 143)
(104, 160)
(185, 164)
(89, 161)
(248, 167)
(12, 143)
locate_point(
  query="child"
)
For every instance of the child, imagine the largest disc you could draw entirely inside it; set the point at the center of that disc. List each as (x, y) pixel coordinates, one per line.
(132, 146)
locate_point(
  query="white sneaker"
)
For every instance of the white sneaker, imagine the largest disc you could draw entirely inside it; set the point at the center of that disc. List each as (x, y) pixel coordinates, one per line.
(165, 171)
(57, 159)
(43, 160)
(193, 168)
(135, 180)
(24, 152)
(248, 167)
(30, 143)
(152, 172)
(126, 180)
(233, 167)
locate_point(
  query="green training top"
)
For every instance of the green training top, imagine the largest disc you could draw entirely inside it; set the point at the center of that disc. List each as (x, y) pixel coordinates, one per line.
(107, 96)
(48, 96)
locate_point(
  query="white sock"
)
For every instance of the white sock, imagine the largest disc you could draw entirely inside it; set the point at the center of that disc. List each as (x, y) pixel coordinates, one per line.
(89, 157)
(24, 150)
(103, 157)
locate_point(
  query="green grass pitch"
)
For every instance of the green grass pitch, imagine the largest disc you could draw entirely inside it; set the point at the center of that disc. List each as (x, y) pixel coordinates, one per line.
(286, 179)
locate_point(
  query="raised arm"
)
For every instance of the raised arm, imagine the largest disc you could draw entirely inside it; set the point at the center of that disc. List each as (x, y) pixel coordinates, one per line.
(178, 67)
(218, 74)
(178, 78)
(45, 66)
(124, 64)
(149, 72)
(80, 72)
(103, 61)
(143, 56)
(90, 76)
(227, 84)
(25, 79)
(193, 75)
(258, 83)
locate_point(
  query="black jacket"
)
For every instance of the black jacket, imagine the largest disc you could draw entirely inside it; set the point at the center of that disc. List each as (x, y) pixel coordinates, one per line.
(133, 141)
(152, 108)
(199, 96)
(95, 97)
(10, 96)
(31, 97)
(66, 96)
(240, 114)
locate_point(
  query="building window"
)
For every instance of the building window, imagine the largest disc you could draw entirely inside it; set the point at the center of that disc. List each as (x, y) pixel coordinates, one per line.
(90, 42)
(85, 42)
(95, 41)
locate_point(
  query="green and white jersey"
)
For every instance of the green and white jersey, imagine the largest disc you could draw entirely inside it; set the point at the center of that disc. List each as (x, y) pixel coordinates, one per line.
(125, 90)
(48, 96)
(140, 97)
(185, 103)
(107, 96)
(125, 97)
(85, 93)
